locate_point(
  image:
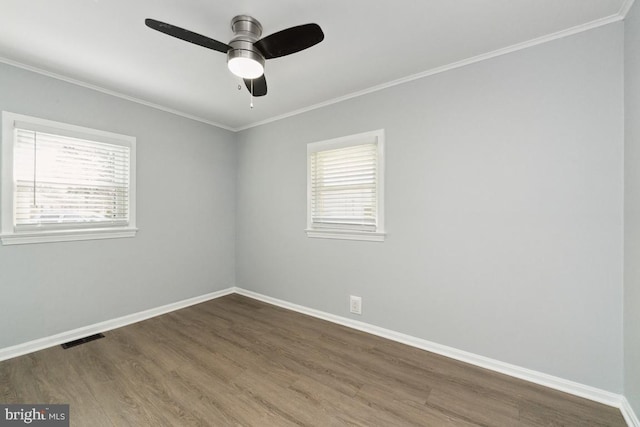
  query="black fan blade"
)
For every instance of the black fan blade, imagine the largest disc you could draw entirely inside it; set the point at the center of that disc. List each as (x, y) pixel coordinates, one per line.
(290, 41)
(259, 86)
(187, 35)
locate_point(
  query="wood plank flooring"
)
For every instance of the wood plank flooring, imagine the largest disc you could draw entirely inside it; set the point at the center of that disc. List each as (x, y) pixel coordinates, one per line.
(236, 361)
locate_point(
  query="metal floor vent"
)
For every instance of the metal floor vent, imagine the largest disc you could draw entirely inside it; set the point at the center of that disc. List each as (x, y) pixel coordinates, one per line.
(82, 341)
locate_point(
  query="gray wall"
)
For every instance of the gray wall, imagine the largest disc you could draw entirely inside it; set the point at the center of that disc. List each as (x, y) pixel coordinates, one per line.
(186, 216)
(504, 199)
(632, 210)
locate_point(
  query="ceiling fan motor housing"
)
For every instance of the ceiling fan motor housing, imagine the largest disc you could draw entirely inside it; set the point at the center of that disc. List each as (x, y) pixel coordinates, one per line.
(247, 31)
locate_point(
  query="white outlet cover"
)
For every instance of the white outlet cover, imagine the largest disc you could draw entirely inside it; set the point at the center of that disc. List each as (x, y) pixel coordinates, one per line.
(355, 304)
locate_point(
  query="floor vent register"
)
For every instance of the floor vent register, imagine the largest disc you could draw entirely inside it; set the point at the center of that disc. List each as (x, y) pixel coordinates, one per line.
(82, 341)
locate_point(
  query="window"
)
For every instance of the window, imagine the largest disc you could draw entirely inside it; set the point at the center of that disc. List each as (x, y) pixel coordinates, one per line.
(62, 182)
(345, 183)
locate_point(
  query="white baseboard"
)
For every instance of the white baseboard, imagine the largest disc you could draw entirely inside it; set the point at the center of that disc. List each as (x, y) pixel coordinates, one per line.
(627, 412)
(581, 390)
(577, 389)
(42, 343)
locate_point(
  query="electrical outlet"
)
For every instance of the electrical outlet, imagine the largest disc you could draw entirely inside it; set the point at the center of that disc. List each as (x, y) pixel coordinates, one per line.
(355, 304)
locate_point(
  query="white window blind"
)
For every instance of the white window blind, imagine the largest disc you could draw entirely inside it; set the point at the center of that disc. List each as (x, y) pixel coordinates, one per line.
(62, 181)
(343, 188)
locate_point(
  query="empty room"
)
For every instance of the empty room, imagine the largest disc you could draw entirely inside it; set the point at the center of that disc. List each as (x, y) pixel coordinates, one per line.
(361, 213)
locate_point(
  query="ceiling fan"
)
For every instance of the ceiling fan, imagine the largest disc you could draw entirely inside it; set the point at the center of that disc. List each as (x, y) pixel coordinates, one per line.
(246, 52)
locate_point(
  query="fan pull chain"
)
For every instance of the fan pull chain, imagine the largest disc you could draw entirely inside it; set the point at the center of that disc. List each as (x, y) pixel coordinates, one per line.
(251, 92)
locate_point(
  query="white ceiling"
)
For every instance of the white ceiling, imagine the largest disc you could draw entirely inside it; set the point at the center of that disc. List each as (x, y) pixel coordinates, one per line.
(368, 44)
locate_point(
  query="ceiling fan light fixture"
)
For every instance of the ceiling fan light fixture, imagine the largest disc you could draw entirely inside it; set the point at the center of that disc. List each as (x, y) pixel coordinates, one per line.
(246, 52)
(245, 63)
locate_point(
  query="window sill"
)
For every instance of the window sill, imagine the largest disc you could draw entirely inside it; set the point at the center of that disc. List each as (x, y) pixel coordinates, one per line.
(22, 238)
(346, 235)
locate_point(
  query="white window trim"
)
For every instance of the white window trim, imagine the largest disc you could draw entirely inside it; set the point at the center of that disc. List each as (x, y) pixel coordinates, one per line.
(8, 233)
(343, 142)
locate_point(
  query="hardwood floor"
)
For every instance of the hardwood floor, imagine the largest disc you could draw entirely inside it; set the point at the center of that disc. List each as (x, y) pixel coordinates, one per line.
(237, 361)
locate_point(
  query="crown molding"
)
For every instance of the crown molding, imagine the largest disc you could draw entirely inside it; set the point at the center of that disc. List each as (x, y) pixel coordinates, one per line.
(499, 52)
(619, 16)
(624, 9)
(111, 92)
